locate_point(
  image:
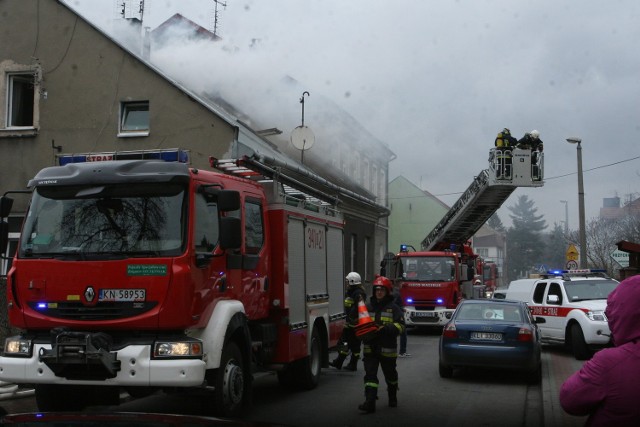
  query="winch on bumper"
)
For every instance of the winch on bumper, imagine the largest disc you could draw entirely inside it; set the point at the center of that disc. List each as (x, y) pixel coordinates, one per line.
(439, 317)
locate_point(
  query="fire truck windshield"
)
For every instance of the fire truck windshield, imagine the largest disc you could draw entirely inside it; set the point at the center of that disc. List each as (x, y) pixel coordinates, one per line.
(431, 269)
(143, 219)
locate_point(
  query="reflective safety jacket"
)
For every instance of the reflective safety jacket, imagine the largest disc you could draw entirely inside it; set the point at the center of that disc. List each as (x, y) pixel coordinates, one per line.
(354, 294)
(390, 319)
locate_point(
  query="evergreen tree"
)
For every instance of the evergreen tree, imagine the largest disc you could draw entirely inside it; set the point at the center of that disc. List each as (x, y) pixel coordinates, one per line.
(556, 244)
(496, 223)
(525, 247)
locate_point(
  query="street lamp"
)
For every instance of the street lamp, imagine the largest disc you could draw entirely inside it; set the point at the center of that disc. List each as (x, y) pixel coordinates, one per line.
(583, 235)
(566, 217)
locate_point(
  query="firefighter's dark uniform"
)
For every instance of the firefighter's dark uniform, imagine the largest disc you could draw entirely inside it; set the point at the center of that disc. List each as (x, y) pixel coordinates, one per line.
(349, 343)
(504, 142)
(382, 350)
(536, 146)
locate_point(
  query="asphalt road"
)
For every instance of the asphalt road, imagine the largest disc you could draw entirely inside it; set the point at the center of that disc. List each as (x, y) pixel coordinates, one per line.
(477, 398)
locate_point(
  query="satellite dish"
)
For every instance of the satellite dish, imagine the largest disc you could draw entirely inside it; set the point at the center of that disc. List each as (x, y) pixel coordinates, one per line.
(302, 138)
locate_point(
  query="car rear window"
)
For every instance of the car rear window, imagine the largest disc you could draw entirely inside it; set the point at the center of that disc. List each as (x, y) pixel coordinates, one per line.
(490, 312)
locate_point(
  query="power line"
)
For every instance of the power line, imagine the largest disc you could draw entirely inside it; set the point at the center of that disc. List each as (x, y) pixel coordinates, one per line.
(560, 176)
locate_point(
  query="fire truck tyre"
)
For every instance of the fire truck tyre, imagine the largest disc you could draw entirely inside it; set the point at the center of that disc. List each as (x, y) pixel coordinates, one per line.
(445, 371)
(307, 370)
(230, 391)
(56, 398)
(578, 345)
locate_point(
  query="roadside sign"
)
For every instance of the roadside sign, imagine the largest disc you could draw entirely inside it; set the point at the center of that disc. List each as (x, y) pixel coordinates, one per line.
(572, 253)
(621, 257)
(572, 264)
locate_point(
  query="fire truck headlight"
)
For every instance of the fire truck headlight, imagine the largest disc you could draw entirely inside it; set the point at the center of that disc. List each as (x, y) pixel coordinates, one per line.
(189, 349)
(17, 347)
(597, 316)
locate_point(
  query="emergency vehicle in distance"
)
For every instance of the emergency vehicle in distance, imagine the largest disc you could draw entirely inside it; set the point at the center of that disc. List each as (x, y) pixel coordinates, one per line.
(433, 280)
(569, 307)
(144, 275)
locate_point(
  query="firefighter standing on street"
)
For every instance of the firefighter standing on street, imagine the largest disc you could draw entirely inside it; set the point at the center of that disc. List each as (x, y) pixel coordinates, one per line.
(382, 349)
(348, 341)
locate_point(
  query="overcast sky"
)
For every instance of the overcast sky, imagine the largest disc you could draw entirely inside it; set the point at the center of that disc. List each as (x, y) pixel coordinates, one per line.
(436, 80)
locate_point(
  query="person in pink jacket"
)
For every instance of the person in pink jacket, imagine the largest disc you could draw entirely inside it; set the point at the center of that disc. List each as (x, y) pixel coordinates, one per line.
(607, 387)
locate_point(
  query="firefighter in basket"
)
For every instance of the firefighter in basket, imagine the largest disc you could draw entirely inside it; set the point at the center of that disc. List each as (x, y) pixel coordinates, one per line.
(349, 342)
(504, 143)
(381, 347)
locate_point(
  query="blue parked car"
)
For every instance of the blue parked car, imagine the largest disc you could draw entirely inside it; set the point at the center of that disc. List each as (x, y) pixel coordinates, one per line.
(491, 333)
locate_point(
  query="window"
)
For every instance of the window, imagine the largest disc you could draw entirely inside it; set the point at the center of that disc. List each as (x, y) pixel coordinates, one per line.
(254, 229)
(205, 232)
(134, 119)
(20, 100)
(538, 294)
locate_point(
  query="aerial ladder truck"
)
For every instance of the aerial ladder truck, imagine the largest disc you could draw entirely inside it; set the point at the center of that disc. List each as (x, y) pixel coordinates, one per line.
(433, 280)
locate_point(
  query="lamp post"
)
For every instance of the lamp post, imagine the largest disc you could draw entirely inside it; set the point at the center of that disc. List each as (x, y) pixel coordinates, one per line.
(566, 217)
(583, 235)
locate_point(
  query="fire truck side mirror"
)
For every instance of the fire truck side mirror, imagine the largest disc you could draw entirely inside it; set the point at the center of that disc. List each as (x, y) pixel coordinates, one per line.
(4, 236)
(5, 209)
(228, 200)
(5, 206)
(230, 233)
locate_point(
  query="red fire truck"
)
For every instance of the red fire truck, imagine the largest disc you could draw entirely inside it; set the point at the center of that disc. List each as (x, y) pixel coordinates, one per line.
(144, 275)
(432, 281)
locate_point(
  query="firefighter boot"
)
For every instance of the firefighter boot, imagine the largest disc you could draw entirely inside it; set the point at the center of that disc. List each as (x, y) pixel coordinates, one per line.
(338, 361)
(369, 405)
(353, 363)
(393, 395)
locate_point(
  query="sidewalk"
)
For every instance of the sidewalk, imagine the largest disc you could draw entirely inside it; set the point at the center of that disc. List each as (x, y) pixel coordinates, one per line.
(554, 371)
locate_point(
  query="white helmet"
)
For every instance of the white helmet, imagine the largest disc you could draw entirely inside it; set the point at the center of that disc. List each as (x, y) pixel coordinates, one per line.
(353, 278)
(534, 134)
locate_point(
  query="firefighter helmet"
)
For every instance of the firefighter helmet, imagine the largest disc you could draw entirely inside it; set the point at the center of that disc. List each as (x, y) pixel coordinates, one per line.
(534, 134)
(506, 131)
(383, 282)
(353, 278)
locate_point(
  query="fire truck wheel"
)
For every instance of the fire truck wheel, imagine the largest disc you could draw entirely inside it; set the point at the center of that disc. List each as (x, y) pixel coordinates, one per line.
(230, 391)
(307, 370)
(578, 344)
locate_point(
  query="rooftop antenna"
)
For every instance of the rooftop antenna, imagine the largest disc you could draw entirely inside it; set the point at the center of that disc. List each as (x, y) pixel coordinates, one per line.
(216, 15)
(301, 137)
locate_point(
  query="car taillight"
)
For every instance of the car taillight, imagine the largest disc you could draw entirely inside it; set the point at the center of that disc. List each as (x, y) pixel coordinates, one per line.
(525, 335)
(449, 331)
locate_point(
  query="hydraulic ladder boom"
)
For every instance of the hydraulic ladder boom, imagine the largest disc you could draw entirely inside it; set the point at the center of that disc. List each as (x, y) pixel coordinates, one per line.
(488, 191)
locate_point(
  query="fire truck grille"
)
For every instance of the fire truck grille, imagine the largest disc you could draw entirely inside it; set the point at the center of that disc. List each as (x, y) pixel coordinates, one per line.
(100, 311)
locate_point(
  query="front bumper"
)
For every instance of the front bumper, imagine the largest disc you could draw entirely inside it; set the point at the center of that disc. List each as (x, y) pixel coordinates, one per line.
(413, 317)
(136, 369)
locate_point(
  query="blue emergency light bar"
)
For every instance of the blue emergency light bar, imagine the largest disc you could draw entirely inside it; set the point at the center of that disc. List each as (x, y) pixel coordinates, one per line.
(578, 271)
(169, 155)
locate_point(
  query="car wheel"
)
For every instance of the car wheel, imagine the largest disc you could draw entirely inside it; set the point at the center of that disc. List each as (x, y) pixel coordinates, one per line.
(445, 371)
(578, 345)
